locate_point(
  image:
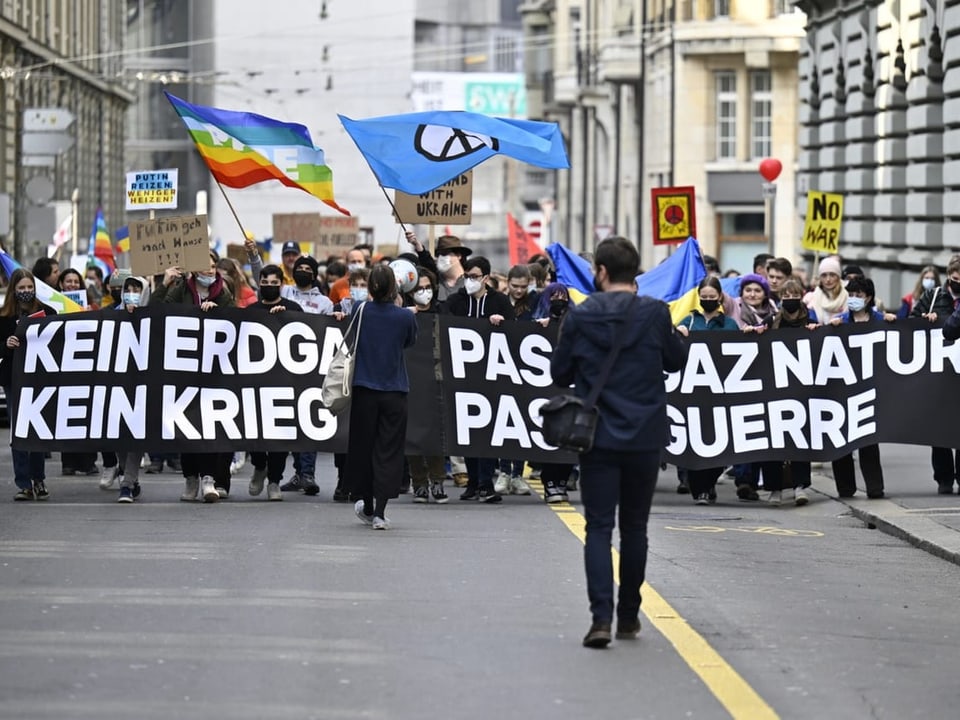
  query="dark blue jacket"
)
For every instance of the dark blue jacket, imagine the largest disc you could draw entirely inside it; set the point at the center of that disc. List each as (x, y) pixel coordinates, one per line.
(632, 404)
(385, 330)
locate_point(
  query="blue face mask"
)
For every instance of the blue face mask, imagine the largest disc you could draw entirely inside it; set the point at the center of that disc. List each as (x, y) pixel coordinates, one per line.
(131, 298)
(358, 294)
(856, 304)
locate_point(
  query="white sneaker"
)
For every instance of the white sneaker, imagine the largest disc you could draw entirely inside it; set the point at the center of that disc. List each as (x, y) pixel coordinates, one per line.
(256, 482)
(358, 509)
(518, 486)
(801, 498)
(239, 460)
(222, 492)
(501, 485)
(208, 490)
(108, 476)
(274, 492)
(380, 524)
(190, 489)
(775, 497)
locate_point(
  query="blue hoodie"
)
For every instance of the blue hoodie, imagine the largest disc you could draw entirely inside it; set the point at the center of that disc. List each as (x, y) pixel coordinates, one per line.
(633, 402)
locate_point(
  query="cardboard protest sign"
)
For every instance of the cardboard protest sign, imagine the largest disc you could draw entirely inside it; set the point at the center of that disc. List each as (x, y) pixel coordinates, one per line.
(158, 244)
(821, 229)
(449, 204)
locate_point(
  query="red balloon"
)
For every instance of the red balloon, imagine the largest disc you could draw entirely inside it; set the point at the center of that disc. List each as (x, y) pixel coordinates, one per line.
(770, 169)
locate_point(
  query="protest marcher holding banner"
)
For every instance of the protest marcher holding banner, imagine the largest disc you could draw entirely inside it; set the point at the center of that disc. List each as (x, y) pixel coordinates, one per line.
(622, 467)
(134, 295)
(204, 289)
(861, 309)
(829, 298)
(269, 466)
(21, 302)
(702, 482)
(378, 412)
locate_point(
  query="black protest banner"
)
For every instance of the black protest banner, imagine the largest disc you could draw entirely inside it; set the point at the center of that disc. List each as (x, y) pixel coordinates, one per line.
(494, 381)
(811, 395)
(180, 380)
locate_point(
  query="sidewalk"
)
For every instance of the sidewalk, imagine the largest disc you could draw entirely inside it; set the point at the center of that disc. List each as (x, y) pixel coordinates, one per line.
(911, 510)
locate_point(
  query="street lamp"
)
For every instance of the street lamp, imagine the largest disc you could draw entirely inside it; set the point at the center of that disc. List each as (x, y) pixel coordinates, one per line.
(770, 169)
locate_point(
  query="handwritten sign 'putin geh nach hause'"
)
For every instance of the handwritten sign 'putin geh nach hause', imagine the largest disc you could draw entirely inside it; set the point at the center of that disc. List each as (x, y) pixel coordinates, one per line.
(158, 244)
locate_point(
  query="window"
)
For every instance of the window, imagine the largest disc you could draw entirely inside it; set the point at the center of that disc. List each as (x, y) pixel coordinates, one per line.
(721, 8)
(740, 236)
(726, 115)
(761, 114)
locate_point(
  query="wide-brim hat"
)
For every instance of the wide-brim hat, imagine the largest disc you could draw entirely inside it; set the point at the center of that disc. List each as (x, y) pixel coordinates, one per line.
(450, 244)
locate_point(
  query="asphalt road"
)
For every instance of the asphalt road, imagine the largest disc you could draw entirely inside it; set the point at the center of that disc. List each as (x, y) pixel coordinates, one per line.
(250, 609)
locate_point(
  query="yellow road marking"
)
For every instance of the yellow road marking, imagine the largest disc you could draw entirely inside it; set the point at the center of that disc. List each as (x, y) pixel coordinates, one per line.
(726, 684)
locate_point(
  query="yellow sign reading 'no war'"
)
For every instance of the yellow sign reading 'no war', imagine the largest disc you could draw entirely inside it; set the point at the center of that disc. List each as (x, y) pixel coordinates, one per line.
(821, 231)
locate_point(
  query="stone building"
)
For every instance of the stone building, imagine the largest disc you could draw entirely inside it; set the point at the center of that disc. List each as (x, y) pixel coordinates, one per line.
(656, 93)
(880, 124)
(62, 55)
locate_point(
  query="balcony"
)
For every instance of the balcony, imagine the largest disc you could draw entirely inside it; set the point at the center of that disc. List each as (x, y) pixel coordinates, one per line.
(620, 60)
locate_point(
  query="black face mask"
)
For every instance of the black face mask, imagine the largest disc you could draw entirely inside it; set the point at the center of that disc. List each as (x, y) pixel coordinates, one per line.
(557, 308)
(709, 306)
(792, 305)
(303, 278)
(270, 293)
(955, 287)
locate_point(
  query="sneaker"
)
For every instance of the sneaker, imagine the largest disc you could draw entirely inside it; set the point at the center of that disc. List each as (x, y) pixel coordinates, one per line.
(274, 492)
(309, 485)
(712, 497)
(153, 468)
(683, 488)
(554, 496)
(340, 495)
(421, 495)
(24, 494)
(573, 482)
(486, 496)
(239, 460)
(293, 485)
(535, 474)
(775, 497)
(40, 490)
(702, 499)
(439, 496)
(380, 524)
(461, 479)
(358, 509)
(746, 492)
(222, 492)
(800, 496)
(468, 495)
(190, 489)
(208, 491)
(871, 495)
(126, 495)
(256, 482)
(108, 476)
(945, 489)
(501, 485)
(136, 490)
(598, 637)
(518, 486)
(627, 629)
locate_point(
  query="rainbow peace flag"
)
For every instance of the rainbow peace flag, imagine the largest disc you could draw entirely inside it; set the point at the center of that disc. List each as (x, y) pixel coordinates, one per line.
(100, 241)
(243, 149)
(45, 294)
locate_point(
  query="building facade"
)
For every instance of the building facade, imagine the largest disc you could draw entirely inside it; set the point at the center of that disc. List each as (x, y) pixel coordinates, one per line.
(66, 55)
(880, 124)
(662, 93)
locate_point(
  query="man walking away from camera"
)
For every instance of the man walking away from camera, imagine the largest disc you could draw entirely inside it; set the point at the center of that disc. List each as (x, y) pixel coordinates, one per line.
(622, 467)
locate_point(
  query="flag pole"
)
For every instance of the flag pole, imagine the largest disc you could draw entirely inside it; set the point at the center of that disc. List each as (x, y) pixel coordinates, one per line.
(230, 205)
(394, 207)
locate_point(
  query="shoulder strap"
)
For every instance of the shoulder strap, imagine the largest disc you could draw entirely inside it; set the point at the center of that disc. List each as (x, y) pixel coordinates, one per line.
(608, 364)
(358, 319)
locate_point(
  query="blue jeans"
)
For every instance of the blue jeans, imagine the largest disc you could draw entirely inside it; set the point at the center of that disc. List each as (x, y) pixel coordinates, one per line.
(305, 464)
(27, 466)
(609, 478)
(480, 473)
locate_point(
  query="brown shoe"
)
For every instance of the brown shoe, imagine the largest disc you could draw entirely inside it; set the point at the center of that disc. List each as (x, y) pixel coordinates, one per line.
(461, 479)
(599, 636)
(628, 629)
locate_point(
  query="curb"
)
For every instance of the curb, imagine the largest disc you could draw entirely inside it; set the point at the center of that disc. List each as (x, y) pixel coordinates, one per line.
(888, 517)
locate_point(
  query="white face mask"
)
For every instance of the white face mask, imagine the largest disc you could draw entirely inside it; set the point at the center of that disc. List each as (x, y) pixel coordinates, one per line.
(444, 263)
(355, 266)
(423, 296)
(472, 286)
(928, 283)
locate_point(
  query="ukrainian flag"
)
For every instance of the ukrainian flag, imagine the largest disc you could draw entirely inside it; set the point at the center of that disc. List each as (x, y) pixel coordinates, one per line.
(572, 271)
(675, 280)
